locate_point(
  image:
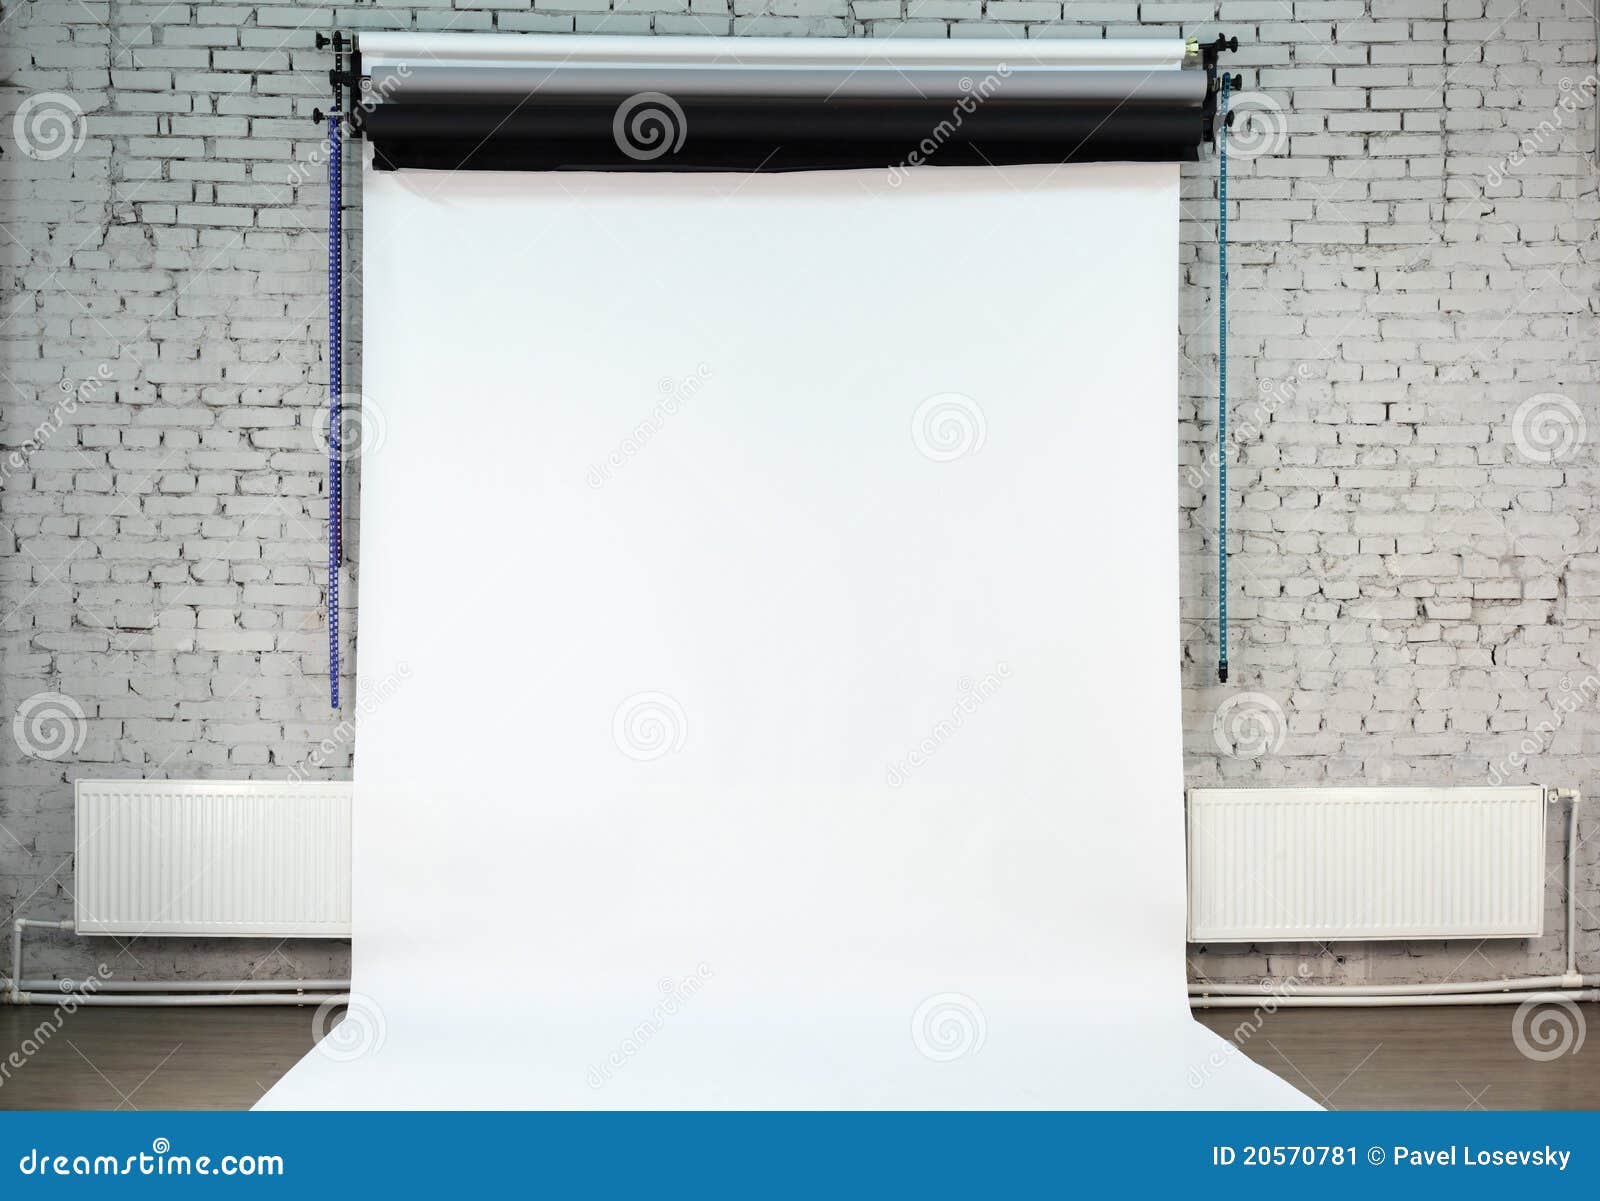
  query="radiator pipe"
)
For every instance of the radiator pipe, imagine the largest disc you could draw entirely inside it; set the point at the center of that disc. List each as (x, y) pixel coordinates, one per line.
(1289, 988)
(180, 986)
(15, 990)
(18, 925)
(256, 998)
(1573, 986)
(1574, 798)
(1483, 998)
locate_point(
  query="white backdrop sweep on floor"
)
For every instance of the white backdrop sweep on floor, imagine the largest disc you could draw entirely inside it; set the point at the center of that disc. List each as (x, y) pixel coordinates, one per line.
(780, 571)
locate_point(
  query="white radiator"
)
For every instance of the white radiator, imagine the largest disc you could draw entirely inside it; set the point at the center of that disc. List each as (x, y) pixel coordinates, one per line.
(1323, 864)
(213, 857)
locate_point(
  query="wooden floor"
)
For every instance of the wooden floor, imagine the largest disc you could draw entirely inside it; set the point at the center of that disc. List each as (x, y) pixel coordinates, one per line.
(1417, 1057)
(116, 1058)
(1459, 1058)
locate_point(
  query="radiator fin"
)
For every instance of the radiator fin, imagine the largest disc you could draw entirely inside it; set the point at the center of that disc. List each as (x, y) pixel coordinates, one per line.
(1327, 864)
(250, 858)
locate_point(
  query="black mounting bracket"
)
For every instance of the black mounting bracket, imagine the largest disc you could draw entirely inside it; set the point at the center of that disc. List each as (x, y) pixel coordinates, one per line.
(1208, 58)
(344, 78)
(1208, 54)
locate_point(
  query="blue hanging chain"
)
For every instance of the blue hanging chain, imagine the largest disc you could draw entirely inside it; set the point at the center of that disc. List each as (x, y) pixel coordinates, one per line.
(1222, 383)
(335, 383)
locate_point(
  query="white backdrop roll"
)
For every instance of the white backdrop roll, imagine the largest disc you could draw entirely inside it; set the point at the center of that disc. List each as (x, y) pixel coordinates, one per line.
(783, 573)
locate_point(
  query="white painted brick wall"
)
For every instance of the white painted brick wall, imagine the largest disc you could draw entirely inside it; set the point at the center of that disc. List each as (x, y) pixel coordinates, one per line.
(1415, 595)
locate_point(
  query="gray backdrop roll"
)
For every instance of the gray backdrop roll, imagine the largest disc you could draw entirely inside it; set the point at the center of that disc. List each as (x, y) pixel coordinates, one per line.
(780, 575)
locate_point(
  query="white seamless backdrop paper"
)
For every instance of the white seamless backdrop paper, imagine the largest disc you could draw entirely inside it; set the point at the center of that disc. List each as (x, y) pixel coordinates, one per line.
(768, 655)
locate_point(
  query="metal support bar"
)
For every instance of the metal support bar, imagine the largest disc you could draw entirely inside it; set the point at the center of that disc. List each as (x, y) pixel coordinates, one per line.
(187, 999)
(1375, 1001)
(339, 78)
(1222, 383)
